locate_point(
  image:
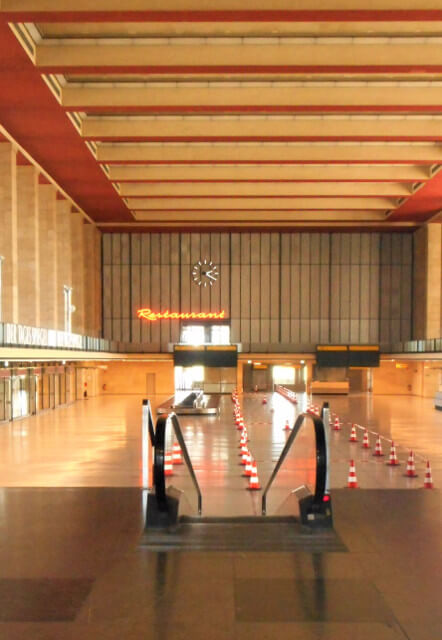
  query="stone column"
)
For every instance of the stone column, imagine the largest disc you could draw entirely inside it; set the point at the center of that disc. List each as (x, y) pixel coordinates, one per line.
(64, 266)
(8, 232)
(78, 259)
(28, 246)
(48, 255)
(427, 282)
(98, 285)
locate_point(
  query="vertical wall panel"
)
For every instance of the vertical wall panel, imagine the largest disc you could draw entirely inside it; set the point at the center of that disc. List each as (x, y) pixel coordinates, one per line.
(155, 289)
(175, 300)
(155, 248)
(174, 248)
(145, 248)
(146, 301)
(135, 275)
(315, 248)
(285, 248)
(235, 248)
(205, 246)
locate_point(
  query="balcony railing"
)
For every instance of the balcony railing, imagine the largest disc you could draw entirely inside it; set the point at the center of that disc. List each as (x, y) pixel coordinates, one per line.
(15, 335)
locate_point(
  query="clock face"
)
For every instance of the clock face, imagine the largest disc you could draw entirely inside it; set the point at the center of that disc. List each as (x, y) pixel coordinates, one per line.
(205, 273)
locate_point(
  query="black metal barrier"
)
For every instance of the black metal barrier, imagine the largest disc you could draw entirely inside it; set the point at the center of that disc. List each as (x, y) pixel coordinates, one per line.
(162, 505)
(315, 509)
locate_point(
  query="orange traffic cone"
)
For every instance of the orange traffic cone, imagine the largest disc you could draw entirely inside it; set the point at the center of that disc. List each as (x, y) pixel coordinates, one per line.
(244, 458)
(411, 469)
(353, 436)
(264, 400)
(176, 454)
(243, 449)
(254, 480)
(428, 483)
(366, 441)
(352, 482)
(393, 461)
(337, 424)
(287, 426)
(248, 468)
(168, 465)
(378, 448)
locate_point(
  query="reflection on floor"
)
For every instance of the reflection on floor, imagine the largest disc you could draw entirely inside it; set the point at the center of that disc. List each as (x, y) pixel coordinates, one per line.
(72, 567)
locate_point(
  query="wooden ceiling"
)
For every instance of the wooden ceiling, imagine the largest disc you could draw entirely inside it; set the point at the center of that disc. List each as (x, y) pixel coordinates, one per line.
(228, 114)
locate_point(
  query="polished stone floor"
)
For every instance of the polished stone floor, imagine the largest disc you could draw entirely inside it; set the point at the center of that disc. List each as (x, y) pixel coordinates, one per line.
(71, 515)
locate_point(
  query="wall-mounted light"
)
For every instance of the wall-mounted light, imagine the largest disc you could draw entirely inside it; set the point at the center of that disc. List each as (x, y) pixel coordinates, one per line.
(6, 363)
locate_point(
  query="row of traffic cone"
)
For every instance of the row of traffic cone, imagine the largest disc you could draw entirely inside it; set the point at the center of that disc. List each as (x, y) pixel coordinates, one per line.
(247, 461)
(393, 459)
(352, 482)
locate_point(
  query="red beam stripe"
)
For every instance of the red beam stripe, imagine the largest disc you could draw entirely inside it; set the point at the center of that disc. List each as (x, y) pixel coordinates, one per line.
(232, 109)
(224, 16)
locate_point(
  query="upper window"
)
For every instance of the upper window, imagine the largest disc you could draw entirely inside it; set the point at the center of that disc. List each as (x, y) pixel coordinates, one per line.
(198, 334)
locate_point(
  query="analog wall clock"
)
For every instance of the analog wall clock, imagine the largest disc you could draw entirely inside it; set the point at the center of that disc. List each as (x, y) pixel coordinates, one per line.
(204, 273)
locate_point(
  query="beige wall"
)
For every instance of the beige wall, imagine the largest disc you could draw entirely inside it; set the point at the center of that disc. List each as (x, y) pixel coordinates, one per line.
(418, 379)
(131, 377)
(45, 246)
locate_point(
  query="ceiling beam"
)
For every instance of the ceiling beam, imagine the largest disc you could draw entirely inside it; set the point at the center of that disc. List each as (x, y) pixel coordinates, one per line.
(253, 29)
(262, 189)
(282, 127)
(268, 173)
(257, 204)
(258, 216)
(244, 54)
(230, 96)
(269, 153)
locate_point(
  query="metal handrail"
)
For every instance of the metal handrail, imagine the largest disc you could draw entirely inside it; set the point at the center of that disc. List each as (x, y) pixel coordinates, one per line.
(158, 471)
(147, 407)
(321, 458)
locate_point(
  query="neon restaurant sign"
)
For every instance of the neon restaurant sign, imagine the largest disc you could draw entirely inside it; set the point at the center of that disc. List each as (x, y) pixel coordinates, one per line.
(148, 314)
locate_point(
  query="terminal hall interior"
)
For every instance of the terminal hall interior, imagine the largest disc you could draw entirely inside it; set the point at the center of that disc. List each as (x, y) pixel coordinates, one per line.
(220, 319)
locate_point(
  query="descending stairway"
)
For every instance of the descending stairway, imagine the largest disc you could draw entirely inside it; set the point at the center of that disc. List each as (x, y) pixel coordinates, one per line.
(242, 534)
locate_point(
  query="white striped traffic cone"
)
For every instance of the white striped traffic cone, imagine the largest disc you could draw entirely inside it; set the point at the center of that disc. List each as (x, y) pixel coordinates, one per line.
(287, 426)
(352, 482)
(248, 468)
(366, 441)
(337, 425)
(353, 436)
(393, 461)
(411, 469)
(428, 483)
(244, 458)
(254, 480)
(168, 465)
(378, 448)
(176, 454)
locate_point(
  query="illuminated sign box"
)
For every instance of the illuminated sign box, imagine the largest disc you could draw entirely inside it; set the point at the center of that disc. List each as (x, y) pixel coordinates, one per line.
(206, 356)
(347, 355)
